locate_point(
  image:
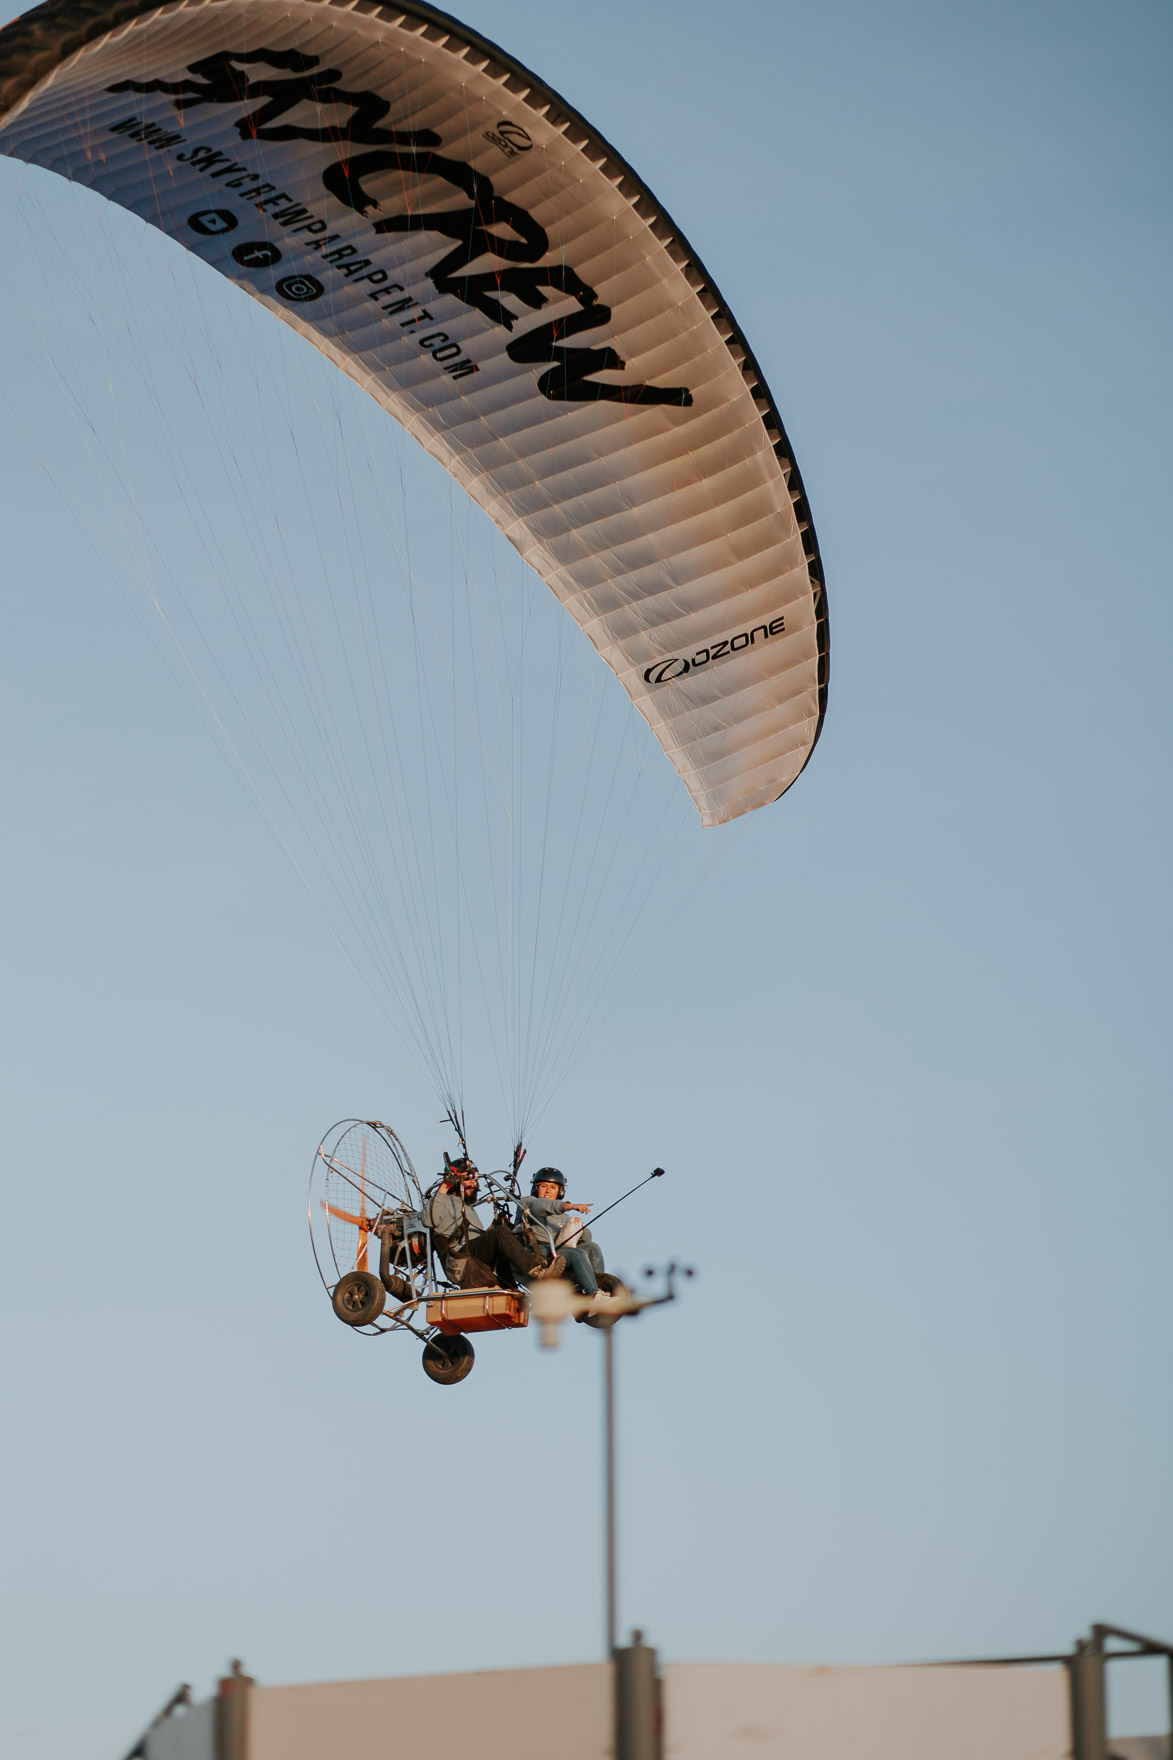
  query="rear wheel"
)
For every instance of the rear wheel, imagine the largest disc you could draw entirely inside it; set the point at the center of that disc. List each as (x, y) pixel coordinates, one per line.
(448, 1360)
(358, 1298)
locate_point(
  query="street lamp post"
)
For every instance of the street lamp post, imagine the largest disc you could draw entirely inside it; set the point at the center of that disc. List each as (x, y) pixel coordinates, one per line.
(609, 1484)
(631, 1306)
(553, 1301)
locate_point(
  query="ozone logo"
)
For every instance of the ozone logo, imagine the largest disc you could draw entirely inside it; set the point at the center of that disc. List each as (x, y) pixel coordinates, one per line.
(664, 671)
(510, 137)
(517, 137)
(668, 671)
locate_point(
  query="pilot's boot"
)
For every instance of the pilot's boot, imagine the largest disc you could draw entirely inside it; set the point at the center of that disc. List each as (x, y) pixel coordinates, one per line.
(555, 1268)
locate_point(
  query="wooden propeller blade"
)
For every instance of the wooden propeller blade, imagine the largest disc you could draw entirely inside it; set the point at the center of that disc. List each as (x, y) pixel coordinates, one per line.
(362, 1223)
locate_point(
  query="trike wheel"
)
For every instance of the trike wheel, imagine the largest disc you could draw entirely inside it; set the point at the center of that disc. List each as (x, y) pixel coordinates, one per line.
(358, 1298)
(448, 1360)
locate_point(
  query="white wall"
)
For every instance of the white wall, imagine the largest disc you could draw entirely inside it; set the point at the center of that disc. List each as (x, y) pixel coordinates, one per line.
(513, 1714)
(713, 1711)
(748, 1711)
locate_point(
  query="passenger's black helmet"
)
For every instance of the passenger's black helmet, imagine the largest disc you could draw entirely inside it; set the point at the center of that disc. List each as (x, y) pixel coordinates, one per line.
(544, 1173)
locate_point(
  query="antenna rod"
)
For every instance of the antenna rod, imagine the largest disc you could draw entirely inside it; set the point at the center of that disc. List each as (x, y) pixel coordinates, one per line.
(656, 1173)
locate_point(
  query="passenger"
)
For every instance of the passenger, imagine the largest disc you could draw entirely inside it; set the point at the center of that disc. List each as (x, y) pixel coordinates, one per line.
(544, 1216)
(472, 1255)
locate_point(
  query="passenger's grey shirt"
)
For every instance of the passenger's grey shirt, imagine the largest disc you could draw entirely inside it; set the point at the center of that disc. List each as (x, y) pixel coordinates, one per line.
(547, 1216)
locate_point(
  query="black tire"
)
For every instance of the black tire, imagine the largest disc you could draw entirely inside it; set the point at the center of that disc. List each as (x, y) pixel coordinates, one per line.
(358, 1298)
(448, 1360)
(610, 1286)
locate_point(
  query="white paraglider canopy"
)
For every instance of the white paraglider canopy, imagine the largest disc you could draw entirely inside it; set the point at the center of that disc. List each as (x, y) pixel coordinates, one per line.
(441, 227)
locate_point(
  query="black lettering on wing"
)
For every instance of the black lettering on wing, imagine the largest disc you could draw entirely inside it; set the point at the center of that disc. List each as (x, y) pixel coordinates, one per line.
(221, 79)
(526, 284)
(490, 226)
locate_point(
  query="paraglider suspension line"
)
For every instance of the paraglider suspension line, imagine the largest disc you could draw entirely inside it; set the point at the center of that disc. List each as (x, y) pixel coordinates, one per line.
(455, 1118)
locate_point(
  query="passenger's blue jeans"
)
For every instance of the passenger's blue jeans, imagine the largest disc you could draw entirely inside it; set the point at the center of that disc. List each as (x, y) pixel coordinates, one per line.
(578, 1263)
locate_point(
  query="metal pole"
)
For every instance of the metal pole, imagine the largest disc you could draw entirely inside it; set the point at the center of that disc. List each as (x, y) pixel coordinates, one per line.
(609, 1477)
(1088, 1709)
(230, 1729)
(637, 1702)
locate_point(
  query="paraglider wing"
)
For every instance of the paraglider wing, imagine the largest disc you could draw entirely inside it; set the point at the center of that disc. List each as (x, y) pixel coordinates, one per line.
(457, 239)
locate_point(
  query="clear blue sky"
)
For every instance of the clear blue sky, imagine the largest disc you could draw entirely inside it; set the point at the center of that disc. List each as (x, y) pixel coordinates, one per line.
(905, 1055)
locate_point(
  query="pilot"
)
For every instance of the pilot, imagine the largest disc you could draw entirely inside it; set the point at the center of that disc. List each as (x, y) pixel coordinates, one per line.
(474, 1256)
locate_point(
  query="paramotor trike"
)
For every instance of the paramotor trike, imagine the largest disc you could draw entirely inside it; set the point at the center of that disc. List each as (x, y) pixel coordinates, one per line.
(366, 1204)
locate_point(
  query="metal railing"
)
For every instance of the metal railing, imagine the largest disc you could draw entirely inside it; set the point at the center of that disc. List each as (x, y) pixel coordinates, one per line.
(180, 1697)
(1085, 1667)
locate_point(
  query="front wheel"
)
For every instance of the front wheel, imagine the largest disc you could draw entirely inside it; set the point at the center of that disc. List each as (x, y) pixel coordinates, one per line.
(448, 1360)
(358, 1298)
